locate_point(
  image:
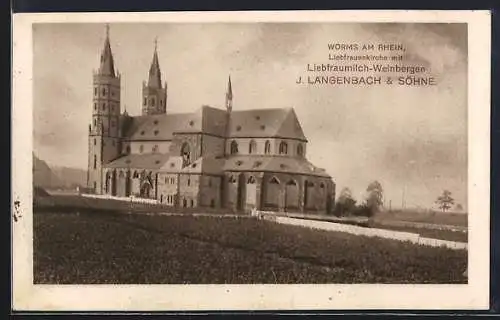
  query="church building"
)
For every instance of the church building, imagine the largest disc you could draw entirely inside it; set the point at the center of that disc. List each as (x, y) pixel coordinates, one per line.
(211, 158)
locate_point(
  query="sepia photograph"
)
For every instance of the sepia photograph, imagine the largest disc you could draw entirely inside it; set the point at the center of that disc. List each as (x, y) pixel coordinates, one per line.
(241, 153)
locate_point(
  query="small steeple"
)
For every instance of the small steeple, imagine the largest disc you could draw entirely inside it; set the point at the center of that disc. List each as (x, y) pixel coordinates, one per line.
(229, 95)
(107, 66)
(154, 71)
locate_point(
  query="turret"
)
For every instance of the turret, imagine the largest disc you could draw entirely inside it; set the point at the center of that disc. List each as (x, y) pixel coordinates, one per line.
(154, 96)
(104, 131)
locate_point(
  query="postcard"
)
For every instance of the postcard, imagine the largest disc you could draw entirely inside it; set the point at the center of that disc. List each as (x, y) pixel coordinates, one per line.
(312, 160)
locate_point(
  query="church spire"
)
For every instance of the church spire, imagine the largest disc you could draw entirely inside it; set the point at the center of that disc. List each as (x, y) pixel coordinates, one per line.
(154, 71)
(229, 95)
(107, 66)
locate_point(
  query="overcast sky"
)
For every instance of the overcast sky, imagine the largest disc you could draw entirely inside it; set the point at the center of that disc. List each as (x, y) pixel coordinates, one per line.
(405, 137)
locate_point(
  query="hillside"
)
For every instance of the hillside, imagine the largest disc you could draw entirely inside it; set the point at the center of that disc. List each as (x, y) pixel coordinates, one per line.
(56, 177)
(43, 176)
(71, 177)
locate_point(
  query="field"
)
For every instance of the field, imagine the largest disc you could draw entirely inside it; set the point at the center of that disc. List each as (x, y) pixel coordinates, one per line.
(91, 248)
(432, 217)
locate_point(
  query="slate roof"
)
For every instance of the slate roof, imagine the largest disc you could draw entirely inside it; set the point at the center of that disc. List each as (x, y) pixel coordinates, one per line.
(140, 161)
(282, 123)
(164, 126)
(206, 165)
(211, 165)
(273, 164)
(256, 123)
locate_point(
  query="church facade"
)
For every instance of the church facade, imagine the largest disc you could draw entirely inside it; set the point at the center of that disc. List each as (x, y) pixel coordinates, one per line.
(210, 158)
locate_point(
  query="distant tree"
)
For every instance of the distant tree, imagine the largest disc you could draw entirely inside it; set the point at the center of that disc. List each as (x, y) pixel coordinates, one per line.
(345, 203)
(445, 201)
(375, 195)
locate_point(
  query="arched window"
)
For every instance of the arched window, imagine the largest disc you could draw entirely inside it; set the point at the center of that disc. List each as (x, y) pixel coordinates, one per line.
(234, 147)
(153, 101)
(252, 147)
(251, 180)
(185, 154)
(141, 148)
(267, 148)
(300, 150)
(274, 180)
(108, 178)
(291, 183)
(128, 149)
(135, 175)
(283, 147)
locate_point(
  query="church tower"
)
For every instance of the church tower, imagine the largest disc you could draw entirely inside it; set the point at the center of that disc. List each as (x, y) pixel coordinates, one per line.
(154, 96)
(104, 131)
(229, 109)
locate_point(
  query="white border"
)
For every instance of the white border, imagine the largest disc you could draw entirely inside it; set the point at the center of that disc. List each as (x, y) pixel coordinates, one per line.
(475, 295)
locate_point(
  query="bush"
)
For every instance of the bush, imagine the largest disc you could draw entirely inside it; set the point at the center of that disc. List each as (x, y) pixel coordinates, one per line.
(364, 211)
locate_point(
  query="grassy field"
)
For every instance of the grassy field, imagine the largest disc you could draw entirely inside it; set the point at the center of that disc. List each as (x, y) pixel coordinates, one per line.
(76, 203)
(427, 233)
(91, 248)
(433, 217)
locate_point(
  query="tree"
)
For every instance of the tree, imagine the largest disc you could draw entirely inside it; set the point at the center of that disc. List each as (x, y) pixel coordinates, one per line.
(345, 203)
(375, 195)
(445, 201)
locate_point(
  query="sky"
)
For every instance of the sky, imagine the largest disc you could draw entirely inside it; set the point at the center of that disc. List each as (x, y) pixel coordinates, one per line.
(413, 140)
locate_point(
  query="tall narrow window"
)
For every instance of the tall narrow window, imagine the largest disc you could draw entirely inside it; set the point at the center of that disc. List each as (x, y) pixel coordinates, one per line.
(95, 161)
(95, 141)
(267, 148)
(185, 154)
(141, 148)
(153, 101)
(103, 91)
(300, 150)
(145, 101)
(104, 107)
(234, 147)
(283, 147)
(95, 105)
(252, 147)
(95, 91)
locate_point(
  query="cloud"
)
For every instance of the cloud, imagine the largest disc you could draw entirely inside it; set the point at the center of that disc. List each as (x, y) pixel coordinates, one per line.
(358, 134)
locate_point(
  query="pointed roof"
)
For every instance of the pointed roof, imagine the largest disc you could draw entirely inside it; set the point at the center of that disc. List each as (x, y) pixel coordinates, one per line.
(107, 66)
(154, 71)
(229, 93)
(266, 123)
(268, 163)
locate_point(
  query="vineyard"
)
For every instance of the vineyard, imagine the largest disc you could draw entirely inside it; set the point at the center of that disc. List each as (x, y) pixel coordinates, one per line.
(96, 248)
